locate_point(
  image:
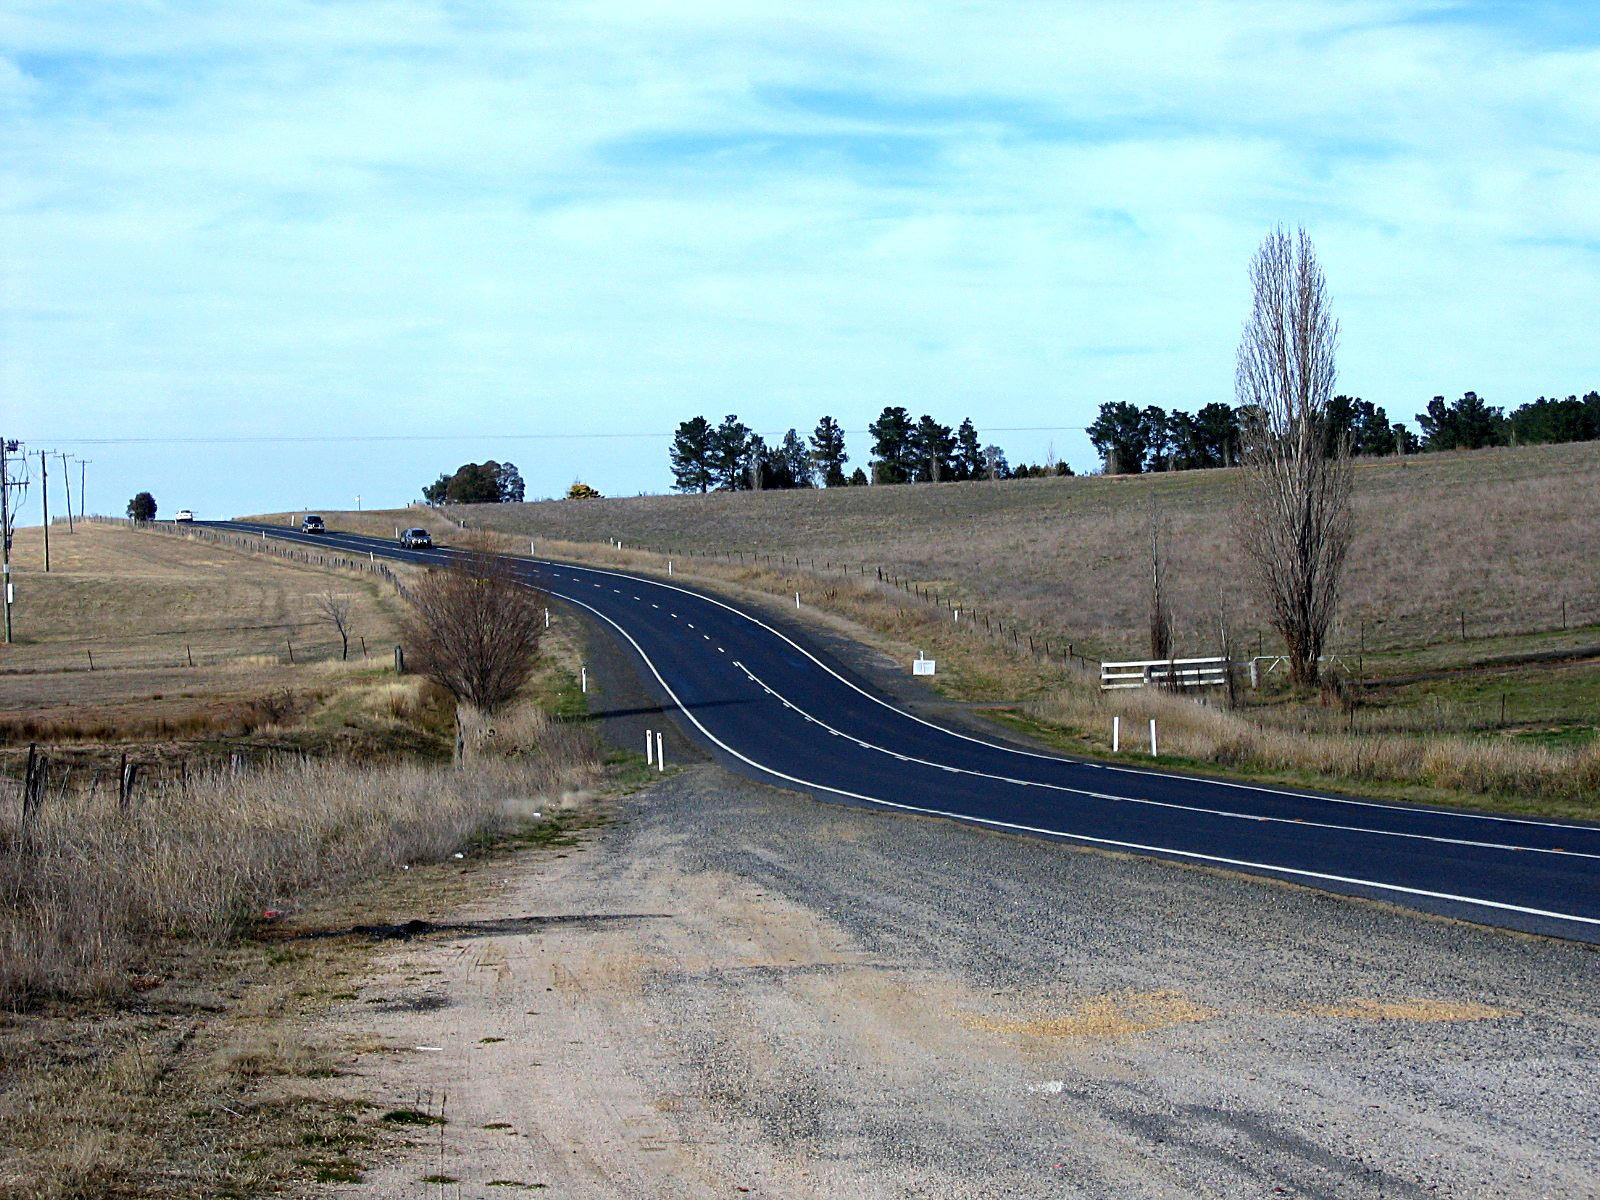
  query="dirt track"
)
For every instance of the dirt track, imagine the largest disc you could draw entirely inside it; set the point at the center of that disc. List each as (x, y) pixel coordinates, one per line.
(735, 988)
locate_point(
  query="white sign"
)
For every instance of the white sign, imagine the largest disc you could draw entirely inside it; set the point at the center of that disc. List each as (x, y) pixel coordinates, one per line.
(923, 666)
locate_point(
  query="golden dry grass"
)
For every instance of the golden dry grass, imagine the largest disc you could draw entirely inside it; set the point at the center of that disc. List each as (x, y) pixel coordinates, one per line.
(1504, 534)
(142, 606)
(91, 895)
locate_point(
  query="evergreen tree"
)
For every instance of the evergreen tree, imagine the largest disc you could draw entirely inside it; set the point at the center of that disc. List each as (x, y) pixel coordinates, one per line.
(1468, 424)
(1157, 438)
(827, 452)
(797, 460)
(477, 483)
(142, 507)
(858, 478)
(512, 488)
(932, 451)
(1119, 436)
(968, 463)
(892, 436)
(732, 445)
(691, 456)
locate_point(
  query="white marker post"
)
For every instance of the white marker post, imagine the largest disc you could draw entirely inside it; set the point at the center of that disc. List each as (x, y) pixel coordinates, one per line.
(797, 599)
(661, 753)
(583, 679)
(547, 618)
(1116, 735)
(1152, 737)
(649, 748)
(669, 567)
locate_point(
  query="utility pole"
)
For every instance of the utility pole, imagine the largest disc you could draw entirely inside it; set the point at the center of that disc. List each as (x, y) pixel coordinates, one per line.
(44, 497)
(83, 484)
(66, 481)
(6, 449)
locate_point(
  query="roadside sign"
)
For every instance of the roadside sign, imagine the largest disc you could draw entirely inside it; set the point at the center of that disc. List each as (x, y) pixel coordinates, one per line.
(923, 666)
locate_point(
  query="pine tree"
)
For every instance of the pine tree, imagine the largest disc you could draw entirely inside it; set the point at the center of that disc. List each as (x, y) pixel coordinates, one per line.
(827, 452)
(692, 456)
(892, 436)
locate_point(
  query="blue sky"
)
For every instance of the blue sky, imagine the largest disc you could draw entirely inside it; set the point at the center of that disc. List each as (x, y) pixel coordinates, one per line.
(508, 230)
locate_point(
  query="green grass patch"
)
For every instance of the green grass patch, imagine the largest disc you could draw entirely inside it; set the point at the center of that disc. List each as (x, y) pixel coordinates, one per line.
(411, 1116)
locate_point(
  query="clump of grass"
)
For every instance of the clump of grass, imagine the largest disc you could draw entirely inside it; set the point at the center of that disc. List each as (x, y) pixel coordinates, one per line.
(1538, 778)
(90, 895)
(411, 1116)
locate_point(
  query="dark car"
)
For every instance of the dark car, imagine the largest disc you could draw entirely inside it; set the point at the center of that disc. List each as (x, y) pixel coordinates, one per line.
(416, 539)
(311, 523)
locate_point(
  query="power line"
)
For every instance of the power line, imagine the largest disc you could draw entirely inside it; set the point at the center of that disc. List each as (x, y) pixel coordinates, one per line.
(323, 439)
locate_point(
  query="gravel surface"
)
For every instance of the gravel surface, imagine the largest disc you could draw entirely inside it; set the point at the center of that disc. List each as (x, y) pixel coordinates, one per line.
(752, 990)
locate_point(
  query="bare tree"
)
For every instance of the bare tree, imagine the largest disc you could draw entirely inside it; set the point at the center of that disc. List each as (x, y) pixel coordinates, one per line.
(1293, 519)
(335, 609)
(1160, 613)
(473, 628)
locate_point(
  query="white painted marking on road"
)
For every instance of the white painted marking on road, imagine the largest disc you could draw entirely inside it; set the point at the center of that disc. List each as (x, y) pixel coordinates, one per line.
(1453, 814)
(1196, 856)
(1016, 827)
(1175, 806)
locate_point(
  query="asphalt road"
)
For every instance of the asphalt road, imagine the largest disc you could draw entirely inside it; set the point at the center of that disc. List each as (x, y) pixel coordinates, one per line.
(777, 711)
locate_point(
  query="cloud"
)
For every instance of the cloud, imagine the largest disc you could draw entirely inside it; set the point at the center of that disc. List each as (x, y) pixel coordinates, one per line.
(610, 217)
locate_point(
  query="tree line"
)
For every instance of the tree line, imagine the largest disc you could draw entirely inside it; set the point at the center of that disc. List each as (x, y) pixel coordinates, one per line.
(477, 483)
(730, 456)
(1132, 440)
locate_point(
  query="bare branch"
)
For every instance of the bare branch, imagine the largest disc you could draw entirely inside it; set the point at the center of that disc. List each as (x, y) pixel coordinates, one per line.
(474, 629)
(335, 609)
(1294, 518)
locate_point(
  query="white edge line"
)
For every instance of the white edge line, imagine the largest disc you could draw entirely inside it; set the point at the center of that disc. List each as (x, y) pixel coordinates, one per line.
(1205, 779)
(1168, 804)
(1078, 837)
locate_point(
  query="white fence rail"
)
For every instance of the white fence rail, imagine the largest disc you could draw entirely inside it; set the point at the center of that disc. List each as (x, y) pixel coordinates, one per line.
(1164, 672)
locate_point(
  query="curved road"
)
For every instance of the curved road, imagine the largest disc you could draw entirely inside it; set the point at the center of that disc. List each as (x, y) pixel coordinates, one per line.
(779, 712)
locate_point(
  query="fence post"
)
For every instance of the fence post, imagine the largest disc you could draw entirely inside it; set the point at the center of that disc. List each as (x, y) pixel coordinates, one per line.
(33, 786)
(399, 660)
(130, 775)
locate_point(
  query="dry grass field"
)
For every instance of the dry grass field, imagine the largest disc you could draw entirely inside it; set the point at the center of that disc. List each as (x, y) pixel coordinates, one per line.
(1503, 535)
(183, 637)
(153, 1035)
(1468, 650)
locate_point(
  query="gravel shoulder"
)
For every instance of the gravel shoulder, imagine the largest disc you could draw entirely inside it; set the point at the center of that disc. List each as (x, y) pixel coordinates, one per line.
(734, 988)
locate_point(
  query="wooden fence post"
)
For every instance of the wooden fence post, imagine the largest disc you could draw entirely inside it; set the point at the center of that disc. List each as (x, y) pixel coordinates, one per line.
(33, 782)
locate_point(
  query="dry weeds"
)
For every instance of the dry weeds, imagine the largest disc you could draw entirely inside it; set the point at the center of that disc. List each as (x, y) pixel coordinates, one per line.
(91, 896)
(1505, 535)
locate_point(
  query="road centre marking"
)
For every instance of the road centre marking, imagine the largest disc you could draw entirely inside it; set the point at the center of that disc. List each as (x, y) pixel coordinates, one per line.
(1058, 759)
(1054, 758)
(1167, 804)
(1016, 827)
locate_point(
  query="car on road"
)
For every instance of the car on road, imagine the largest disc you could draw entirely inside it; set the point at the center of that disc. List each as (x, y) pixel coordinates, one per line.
(183, 514)
(416, 539)
(311, 523)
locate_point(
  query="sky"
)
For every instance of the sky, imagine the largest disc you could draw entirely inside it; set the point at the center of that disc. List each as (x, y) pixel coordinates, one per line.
(288, 254)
